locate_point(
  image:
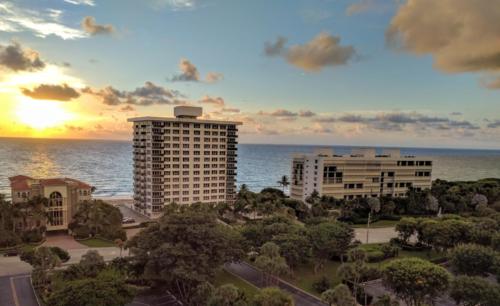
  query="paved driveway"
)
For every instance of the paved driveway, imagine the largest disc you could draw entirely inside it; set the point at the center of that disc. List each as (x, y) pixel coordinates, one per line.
(17, 291)
(254, 276)
(64, 241)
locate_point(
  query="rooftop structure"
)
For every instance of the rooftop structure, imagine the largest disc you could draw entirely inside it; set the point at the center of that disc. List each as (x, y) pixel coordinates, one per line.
(361, 174)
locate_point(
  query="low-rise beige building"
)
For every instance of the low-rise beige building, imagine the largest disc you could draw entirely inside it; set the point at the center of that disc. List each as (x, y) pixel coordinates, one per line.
(63, 194)
(361, 174)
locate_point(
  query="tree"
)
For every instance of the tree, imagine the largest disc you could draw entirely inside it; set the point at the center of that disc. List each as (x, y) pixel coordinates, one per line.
(271, 263)
(406, 228)
(479, 200)
(374, 205)
(314, 198)
(92, 263)
(352, 272)
(43, 260)
(473, 290)
(294, 247)
(107, 288)
(471, 259)
(272, 297)
(413, 279)
(99, 219)
(227, 295)
(339, 296)
(284, 182)
(184, 249)
(329, 239)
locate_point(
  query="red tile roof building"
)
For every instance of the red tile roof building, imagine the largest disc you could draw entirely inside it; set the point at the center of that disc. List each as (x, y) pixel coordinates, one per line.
(64, 194)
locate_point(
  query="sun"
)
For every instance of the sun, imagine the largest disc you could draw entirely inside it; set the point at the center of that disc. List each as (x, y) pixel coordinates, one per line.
(41, 114)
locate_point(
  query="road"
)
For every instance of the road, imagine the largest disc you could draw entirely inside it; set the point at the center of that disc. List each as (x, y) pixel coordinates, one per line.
(16, 290)
(254, 276)
(14, 265)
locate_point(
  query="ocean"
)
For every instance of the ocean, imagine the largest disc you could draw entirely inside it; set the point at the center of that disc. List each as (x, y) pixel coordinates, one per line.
(107, 165)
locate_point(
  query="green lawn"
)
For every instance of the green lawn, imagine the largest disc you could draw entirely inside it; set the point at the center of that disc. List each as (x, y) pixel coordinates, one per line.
(378, 224)
(223, 277)
(304, 275)
(97, 243)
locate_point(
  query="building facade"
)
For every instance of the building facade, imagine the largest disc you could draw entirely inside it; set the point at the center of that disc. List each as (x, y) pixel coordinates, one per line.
(361, 174)
(63, 194)
(183, 160)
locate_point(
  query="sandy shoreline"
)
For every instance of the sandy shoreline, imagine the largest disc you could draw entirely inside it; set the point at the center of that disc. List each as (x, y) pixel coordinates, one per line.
(117, 200)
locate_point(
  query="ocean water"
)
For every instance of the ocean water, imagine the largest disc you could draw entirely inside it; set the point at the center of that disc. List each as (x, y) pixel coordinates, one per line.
(107, 165)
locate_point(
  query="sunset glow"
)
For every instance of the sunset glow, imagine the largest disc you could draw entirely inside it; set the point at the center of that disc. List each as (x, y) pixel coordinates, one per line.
(42, 114)
(356, 72)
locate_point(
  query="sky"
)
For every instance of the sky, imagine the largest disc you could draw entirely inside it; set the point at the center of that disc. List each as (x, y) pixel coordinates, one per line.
(415, 73)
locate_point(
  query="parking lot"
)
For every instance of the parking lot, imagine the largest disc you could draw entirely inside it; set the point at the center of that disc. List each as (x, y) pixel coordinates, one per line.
(128, 212)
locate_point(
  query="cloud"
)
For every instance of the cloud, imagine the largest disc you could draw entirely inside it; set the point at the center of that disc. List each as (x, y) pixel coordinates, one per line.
(214, 77)
(398, 121)
(52, 92)
(278, 113)
(461, 35)
(73, 128)
(81, 2)
(149, 94)
(15, 58)
(360, 7)
(91, 27)
(189, 72)
(306, 113)
(275, 48)
(493, 125)
(315, 15)
(456, 114)
(178, 5)
(217, 101)
(14, 19)
(322, 51)
(230, 110)
(127, 108)
(325, 120)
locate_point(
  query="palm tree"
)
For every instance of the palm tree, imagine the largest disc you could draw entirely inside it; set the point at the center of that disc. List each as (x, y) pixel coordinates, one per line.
(7, 213)
(284, 182)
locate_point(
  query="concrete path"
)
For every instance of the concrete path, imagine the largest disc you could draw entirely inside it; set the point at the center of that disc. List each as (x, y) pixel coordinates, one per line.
(376, 235)
(254, 276)
(64, 241)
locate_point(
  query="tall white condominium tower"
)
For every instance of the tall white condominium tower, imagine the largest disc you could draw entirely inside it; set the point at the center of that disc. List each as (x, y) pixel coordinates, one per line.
(361, 174)
(183, 160)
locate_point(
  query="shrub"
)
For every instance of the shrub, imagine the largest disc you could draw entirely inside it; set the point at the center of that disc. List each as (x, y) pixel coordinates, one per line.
(471, 259)
(375, 256)
(322, 284)
(370, 273)
(81, 232)
(389, 250)
(32, 236)
(9, 239)
(62, 254)
(495, 242)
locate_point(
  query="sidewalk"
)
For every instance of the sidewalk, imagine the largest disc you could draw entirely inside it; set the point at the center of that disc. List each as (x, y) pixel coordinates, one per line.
(254, 276)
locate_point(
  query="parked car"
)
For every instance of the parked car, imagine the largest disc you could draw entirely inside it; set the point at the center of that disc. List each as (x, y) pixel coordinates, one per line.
(128, 220)
(11, 252)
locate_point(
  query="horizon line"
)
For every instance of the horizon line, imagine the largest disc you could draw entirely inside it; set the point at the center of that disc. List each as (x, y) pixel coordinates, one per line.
(272, 144)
